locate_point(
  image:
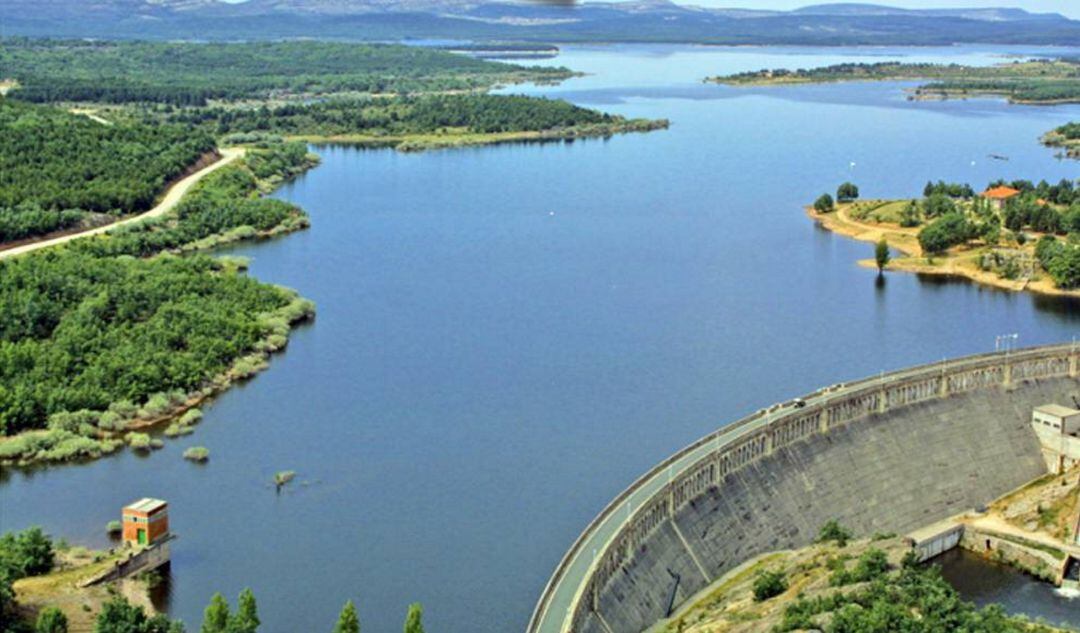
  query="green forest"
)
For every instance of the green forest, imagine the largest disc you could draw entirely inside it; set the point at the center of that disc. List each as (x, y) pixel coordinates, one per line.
(57, 167)
(478, 113)
(112, 328)
(191, 74)
(1036, 81)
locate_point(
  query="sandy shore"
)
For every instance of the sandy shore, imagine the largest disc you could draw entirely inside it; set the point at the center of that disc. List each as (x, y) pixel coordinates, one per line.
(961, 262)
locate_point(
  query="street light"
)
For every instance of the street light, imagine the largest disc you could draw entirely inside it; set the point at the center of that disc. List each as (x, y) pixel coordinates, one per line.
(1005, 342)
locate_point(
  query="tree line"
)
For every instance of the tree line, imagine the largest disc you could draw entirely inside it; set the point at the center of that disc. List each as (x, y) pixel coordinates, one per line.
(191, 74)
(477, 113)
(56, 166)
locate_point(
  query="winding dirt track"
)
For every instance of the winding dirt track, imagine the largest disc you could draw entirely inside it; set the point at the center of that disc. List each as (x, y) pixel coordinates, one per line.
(172, 197)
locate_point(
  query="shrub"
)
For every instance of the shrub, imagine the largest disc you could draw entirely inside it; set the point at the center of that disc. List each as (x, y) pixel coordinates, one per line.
(124, 408)
(176, 430)
(157, 404)
(111, 421)
(139, 441)
(945, 232)
(113, 527)
(73, 421)
(769, 584)
(197, 454)
(1065, 267)
(51, 620)
(249, 365)
(191, 417)
(910, 216)
(824, 203)
(833, 532)
(871, 565)
(938, 204)
(26, 553)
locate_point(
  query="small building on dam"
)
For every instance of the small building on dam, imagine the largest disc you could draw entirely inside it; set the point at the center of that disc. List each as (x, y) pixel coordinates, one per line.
(891, 453)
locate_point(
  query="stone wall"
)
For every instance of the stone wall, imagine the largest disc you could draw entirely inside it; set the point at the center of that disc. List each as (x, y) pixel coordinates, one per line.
(887, 455)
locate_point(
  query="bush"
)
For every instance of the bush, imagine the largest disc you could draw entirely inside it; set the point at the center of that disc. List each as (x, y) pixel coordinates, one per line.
(1065, 268)
(124, 408)
(938, 204)
(197, 454)
(910, 216)
(73, 422)
(871, 565)
(26, 553)
(139, 441)
(945, 232)
(769, 584)
(157, 404)
(111, 421)
(833, 532)
(176, 430)
(824, 203)
(51, 620)
(191, 417)
(114, 527)
(54, 445)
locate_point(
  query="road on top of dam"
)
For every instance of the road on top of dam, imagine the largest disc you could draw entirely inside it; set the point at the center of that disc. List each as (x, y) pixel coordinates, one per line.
(554, 616)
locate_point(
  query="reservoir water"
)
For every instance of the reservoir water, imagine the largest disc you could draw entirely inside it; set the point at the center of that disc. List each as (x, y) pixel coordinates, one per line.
(507, 336)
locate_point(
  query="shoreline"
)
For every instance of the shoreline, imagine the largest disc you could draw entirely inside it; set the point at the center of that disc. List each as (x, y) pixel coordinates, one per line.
(64, 587)
(298, 310)
(426, 142)
(913, 261)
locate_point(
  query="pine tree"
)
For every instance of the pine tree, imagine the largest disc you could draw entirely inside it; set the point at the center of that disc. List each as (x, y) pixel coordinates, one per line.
(246, 619)
(414, 620)
(348, 622)
(216, 616)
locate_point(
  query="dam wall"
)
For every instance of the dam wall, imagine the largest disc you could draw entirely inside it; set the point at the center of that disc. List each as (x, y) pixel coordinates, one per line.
(887, 454)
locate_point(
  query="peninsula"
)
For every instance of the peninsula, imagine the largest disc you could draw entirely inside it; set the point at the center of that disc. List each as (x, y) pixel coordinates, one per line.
(1015, 236)
(111, 321)
(1037, 81)
(1065, 137)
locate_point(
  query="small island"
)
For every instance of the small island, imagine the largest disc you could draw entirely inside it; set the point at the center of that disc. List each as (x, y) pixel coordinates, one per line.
(1017, 236)
(1038, 81)
(1066, 138)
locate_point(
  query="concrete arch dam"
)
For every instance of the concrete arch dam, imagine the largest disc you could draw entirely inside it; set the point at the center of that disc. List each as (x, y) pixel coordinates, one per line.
(887, 454)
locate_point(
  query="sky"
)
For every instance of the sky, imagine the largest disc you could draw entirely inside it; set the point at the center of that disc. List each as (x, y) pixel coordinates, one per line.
(1070, 8)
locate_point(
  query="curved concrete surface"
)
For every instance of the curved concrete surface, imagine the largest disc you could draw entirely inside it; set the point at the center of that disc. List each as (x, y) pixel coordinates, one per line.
(651, 548)
(168, 203)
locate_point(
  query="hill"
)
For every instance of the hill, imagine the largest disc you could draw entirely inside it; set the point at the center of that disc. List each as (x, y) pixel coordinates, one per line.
(641, 20)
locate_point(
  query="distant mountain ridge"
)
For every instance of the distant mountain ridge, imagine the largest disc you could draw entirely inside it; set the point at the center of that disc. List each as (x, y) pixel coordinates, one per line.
(640, 21)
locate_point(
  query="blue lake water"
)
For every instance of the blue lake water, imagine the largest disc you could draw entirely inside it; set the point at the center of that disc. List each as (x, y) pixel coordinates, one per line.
(507, 336)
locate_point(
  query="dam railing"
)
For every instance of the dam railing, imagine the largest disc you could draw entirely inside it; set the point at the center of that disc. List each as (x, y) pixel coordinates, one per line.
(616, 531)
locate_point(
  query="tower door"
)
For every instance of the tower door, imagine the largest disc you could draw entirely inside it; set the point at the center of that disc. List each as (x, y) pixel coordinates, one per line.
(142, 537)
